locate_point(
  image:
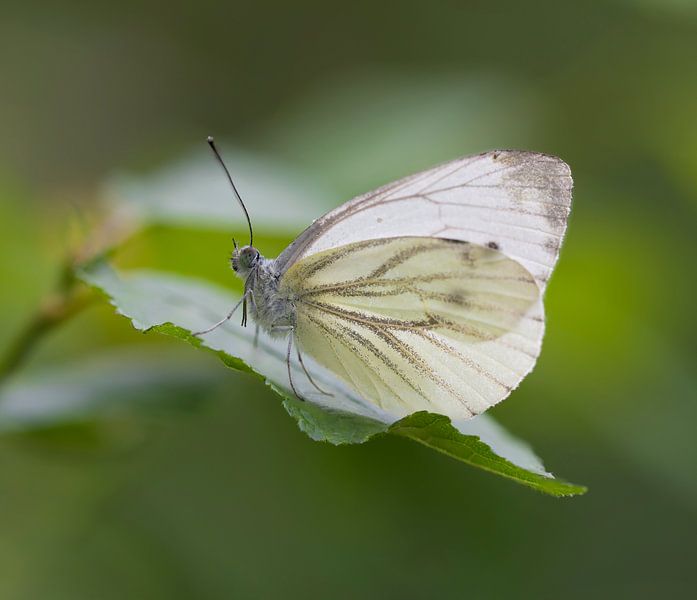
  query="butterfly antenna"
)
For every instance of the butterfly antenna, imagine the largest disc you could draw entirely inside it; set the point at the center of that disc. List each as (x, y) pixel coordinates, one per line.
(211, 143)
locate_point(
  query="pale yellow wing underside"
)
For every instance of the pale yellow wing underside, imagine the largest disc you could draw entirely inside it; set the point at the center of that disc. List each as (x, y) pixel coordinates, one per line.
(416, 323)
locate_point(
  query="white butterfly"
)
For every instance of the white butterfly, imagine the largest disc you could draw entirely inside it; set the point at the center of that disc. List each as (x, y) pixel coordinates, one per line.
(425, 294)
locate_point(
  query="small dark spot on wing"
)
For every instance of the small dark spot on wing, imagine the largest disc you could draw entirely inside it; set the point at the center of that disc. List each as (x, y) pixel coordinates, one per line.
(552, 245)
(493, 246)
(458, 298)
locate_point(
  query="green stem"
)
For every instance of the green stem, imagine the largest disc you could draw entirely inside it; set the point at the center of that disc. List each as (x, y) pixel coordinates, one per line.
(69, 298)
(70, 295)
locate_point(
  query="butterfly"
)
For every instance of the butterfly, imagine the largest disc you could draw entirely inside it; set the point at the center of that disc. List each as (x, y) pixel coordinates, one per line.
(425, 294)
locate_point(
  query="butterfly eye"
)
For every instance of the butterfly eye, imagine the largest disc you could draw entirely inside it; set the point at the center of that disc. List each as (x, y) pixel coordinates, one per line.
(246, 258)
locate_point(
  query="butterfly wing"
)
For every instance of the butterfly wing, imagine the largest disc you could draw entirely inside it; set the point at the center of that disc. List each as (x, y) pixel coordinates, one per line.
(418, 323)
(517, 202)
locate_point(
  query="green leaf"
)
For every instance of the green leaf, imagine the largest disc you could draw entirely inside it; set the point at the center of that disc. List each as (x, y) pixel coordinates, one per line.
(177, 305)
(437, 432)
(194, 192)
(103, 385)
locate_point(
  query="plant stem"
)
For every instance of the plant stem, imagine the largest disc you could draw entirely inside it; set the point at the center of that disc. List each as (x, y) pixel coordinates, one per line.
(69, 298)
(70, 295)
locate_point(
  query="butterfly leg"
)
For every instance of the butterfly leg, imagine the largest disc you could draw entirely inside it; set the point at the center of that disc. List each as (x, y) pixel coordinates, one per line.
(307, 374)
(256, 325)
(290, 377)
(224, 320)
(248, 293)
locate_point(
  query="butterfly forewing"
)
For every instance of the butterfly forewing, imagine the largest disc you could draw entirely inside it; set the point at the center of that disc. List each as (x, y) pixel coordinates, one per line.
(515, 201)
(416, 323)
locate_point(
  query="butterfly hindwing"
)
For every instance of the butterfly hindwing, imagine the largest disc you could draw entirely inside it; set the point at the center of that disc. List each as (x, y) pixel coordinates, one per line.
(418, 323)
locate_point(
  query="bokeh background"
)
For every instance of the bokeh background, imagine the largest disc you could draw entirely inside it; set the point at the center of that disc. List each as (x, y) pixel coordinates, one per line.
(202, 487)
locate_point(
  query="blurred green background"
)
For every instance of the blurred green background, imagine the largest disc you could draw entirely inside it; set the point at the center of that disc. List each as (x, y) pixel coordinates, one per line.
(197, 484)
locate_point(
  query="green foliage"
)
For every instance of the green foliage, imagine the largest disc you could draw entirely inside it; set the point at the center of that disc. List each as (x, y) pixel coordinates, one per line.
(177, 305)
(190, 194)
(230, 500)
(437, 432)
(106, 385)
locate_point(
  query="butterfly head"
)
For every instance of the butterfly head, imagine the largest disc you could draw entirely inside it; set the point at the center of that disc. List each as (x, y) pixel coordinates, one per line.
(244, 259)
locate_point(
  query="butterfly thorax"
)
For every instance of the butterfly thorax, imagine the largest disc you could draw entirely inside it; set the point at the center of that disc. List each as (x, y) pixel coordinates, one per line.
(271, 309)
